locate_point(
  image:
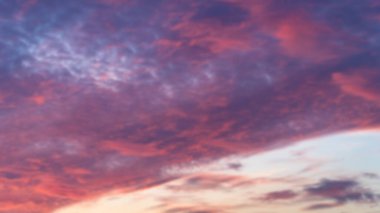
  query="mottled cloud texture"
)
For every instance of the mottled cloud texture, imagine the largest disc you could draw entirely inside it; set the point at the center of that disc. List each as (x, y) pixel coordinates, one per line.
(100, 95)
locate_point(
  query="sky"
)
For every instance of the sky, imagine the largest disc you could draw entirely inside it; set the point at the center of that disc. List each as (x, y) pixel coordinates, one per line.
(300, 178)
(178, 106)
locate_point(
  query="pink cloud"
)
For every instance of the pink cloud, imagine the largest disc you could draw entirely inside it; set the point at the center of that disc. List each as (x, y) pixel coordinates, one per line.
(105, 98)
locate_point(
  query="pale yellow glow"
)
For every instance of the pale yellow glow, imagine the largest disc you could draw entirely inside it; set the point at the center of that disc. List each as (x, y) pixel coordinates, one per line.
(342, 155)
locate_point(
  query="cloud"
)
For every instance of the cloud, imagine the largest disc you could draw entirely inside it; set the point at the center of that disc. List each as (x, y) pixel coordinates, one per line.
(192, 210)
(340, 191)
(222, 12)
(235, 166)
(323, 206)
(371, 175)
(280, 195)
(215, 182)
(359, 85)
(103, 95)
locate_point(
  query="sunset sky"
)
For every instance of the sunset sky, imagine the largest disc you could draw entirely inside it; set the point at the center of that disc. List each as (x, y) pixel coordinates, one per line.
(189, 106)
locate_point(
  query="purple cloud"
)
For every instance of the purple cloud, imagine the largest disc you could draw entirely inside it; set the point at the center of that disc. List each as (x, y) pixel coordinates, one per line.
(340, 191)
(280, 195)
(102, 95)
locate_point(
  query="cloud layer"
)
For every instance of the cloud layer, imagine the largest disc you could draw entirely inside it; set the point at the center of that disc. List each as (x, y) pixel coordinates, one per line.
(103, 95)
